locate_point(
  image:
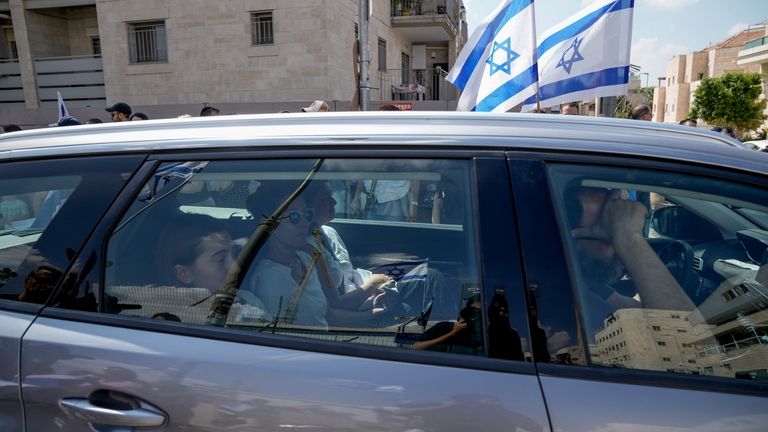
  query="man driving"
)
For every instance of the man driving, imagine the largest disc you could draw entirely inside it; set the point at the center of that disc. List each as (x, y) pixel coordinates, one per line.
(608, 230)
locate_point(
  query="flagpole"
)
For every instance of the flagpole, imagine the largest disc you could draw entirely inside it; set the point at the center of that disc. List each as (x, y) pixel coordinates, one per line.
(535, 57)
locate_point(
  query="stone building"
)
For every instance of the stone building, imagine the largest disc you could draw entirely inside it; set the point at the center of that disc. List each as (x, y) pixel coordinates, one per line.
(755, 53)
(170, 57)
(672, 101)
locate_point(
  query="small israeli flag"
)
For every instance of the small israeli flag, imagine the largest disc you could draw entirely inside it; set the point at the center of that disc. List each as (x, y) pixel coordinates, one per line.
(496, 69)
(165, 175)
(585, 56)
(404, 271)
(63, 112)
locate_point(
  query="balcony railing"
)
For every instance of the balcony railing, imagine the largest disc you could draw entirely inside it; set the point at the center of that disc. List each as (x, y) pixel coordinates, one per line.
(11, 90)
(424, 7)
(756, 43)
(423, 84)
(80, 79)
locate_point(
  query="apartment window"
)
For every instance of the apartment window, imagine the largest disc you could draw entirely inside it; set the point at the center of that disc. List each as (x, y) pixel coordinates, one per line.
(656, 328)
(682, 331)
(405, 59)
(147, 42)
(262, 28)
(382, 55)
(666, 359)
(661, 343)
(700, 76)
(14, 50)
(96, 45)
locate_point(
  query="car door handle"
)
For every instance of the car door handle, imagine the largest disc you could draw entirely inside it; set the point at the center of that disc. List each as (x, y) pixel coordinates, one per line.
(84, 410)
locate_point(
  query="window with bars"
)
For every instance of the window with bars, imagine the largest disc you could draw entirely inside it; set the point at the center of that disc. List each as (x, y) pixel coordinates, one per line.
(382, 55)
(147, 42)
(262, 28)
(96, 45)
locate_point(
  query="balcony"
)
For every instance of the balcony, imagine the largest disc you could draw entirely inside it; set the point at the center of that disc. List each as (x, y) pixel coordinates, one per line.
(424, 84)
(426, 20)
(11, 90)
(754, 52)
(45, 4)
(80, 79)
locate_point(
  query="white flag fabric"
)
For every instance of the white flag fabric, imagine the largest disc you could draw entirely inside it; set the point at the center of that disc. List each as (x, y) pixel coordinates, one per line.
(496, 69)
(585, 56)
(63, 112)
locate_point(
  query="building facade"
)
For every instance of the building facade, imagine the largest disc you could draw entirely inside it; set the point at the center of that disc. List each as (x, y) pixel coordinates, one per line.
(672, 101)
(170, 57)
(755, 53)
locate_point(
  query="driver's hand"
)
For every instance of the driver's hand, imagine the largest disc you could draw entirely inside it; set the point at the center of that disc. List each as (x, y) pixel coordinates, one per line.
(619, 220)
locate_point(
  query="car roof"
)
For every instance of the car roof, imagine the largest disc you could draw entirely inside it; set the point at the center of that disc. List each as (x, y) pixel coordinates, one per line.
(424, 129)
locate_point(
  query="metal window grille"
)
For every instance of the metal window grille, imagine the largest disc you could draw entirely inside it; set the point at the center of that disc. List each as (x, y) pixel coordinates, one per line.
(96, 46)
(406, 69)
(262, 28)
(147, 42)
(382, 55)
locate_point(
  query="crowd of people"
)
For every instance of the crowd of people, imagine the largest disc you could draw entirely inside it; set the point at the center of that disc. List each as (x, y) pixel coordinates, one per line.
(122, 112)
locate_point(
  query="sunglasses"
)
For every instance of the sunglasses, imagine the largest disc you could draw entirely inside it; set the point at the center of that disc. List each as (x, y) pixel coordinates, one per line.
(294, 216)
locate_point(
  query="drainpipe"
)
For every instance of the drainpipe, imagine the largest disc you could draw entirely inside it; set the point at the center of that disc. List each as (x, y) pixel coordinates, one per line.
(362, 28)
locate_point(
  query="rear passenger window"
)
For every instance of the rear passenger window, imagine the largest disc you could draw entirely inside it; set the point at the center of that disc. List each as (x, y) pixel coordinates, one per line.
(47, 209)
(378, 252)
(671, 270)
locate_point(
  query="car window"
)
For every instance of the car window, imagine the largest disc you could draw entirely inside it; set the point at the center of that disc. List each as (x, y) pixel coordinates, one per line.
(46, 210)
(670, 274)
(378, 252)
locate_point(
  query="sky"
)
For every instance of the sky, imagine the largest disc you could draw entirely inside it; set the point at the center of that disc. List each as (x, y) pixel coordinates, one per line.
(662, 28)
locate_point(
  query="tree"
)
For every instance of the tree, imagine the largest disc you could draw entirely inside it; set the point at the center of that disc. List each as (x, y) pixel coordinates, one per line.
(730, 100)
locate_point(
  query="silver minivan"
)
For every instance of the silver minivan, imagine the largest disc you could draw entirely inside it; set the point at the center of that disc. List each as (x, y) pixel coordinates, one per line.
(382, 272)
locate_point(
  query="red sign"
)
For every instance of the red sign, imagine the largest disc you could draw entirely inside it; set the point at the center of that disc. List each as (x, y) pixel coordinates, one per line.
(402, 106)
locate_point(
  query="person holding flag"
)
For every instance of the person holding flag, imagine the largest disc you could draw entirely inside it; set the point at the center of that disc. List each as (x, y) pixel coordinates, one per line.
(496, 70)
(65, 119)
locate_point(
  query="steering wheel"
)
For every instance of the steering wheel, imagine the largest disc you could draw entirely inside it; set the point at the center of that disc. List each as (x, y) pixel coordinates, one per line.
(677, 256)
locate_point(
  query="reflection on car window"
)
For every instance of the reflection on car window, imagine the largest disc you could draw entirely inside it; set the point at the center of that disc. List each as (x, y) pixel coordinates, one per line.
(367, 251)
(46, 210)
(671, 277)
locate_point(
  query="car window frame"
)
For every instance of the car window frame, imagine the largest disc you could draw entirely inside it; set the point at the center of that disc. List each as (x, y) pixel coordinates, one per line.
(524, 160)
(100, 238)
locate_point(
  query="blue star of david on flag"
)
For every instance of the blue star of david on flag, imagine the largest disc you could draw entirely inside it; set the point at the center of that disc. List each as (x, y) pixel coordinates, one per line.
(575, 56)
(504, 47)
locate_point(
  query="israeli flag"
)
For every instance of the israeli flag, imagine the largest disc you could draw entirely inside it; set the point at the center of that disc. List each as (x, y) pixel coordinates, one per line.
(405, 271)
(63, 111)
(496, 69)
(585, 56)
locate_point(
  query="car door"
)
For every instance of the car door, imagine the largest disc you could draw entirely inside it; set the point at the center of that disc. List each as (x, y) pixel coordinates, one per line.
(48, 207)
(150, 357)
(697, 364)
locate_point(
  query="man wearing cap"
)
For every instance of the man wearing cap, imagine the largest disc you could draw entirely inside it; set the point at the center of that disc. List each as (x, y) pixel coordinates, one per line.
(120, 112)
(317, 106)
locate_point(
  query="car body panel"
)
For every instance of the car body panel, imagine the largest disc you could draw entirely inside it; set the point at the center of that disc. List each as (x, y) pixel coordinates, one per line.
(208, 385)
(579, 405)
(14, 326)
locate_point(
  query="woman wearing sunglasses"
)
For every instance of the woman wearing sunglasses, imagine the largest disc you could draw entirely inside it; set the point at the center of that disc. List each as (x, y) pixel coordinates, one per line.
(295, 277)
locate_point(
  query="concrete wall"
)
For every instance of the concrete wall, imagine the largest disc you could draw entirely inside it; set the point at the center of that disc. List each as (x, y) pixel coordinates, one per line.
(724, 60)
(48, 33)
(696, 66)
(83, 25)
(676, 70)
(210, 57)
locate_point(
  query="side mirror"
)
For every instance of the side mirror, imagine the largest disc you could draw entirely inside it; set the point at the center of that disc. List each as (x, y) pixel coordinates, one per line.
(680, 223)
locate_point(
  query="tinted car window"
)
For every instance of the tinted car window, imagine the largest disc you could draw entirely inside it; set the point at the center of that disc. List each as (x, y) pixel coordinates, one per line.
(47, 208)
(670, 274)
(378, 252)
